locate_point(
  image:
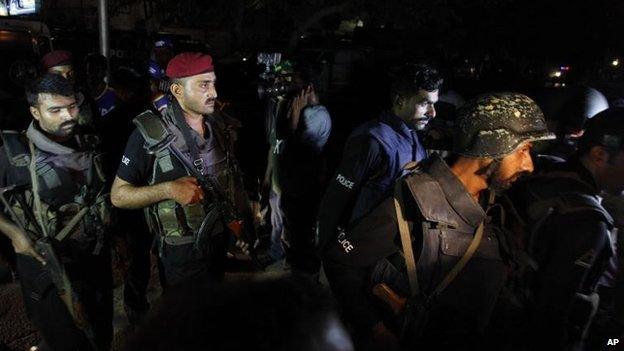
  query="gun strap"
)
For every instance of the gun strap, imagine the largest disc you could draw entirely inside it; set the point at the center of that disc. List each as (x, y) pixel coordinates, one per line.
(195, 166)
(406, 239)
(39, 215)
(408, 253)
(178, 116)
(472, 248)
(72, 223)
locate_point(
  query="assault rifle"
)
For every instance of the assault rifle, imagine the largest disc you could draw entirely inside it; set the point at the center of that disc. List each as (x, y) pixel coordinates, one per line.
(229, 214)
(43, 244)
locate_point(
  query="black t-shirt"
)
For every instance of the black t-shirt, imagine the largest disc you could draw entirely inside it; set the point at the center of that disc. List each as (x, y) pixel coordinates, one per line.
(135, 163)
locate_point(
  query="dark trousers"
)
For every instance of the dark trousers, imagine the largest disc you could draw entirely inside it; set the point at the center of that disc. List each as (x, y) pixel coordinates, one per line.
(132, 227)
(184, 263)
(299, 216)
(91, 280)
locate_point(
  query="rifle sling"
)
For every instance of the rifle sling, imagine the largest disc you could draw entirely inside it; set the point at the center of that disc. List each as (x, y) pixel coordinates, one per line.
(196, 166)
(39, 215)
(197, 162)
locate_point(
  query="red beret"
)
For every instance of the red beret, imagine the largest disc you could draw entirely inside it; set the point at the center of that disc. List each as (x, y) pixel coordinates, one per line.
(56, 58)
(189, 64)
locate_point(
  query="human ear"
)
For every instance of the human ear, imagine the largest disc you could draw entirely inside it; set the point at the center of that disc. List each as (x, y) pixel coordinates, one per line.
(35, 113)
(176, 89)
(399, 101)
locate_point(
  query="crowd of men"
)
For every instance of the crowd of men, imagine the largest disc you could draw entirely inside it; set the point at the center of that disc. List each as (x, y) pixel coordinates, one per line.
(502, 237)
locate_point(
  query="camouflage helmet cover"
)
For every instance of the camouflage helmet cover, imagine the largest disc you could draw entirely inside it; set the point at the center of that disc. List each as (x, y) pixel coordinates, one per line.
(494, 125)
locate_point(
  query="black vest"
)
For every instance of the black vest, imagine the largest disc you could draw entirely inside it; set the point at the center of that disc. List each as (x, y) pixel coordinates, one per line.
(69, 178)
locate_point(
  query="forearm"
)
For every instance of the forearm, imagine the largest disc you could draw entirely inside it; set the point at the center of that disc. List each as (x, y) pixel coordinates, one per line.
(9, 228)
(128, 196)
(332, 211)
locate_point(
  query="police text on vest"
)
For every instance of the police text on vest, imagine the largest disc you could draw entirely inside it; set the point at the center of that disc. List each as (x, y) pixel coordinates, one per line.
(346, 245)
(344, 181)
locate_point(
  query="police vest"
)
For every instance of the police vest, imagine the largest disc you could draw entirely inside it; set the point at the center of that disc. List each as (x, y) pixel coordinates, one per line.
(176, 224)
(449, 220)
(400, 146)
(444, 219)
(71, 186)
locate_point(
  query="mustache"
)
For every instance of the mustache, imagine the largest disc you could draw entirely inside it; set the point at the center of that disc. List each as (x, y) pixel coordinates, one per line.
(71, 123)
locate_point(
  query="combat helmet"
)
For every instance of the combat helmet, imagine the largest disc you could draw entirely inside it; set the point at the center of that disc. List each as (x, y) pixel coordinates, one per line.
(494, 125)
(605, 129)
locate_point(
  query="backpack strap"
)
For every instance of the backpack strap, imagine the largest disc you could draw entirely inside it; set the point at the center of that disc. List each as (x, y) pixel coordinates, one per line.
(406, 240)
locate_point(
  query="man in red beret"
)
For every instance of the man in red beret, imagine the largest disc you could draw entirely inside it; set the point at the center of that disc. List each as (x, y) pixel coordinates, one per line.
(181, 167)
(59, 62)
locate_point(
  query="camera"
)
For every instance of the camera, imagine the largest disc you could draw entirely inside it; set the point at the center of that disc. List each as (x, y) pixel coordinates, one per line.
(276, 79)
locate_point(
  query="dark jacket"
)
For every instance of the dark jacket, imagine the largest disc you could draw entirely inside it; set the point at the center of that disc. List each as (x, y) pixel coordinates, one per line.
(374, 158)
(568, 237)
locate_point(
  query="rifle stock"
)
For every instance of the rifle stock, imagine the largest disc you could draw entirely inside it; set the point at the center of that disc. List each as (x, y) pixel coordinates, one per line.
(394, 301)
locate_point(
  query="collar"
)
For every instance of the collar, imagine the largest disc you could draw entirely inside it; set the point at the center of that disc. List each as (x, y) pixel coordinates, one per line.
(43, 143)
(456, 194)
(397, 124)
(175, 110)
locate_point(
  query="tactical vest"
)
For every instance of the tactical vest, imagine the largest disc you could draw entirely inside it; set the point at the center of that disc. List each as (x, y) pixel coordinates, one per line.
(445, 220)
(176, 224)
(400, 146)
(71, 186)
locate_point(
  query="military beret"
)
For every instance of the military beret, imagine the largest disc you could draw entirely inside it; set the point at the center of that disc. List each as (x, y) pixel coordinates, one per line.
(189, 64)
(56, 58)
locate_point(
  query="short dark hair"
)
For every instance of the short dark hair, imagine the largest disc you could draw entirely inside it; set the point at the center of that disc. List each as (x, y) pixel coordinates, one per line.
(48, 83)
(412, 78)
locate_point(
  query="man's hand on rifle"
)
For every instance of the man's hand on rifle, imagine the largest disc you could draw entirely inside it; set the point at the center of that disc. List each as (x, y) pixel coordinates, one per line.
(185, 191)
(22, 245)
